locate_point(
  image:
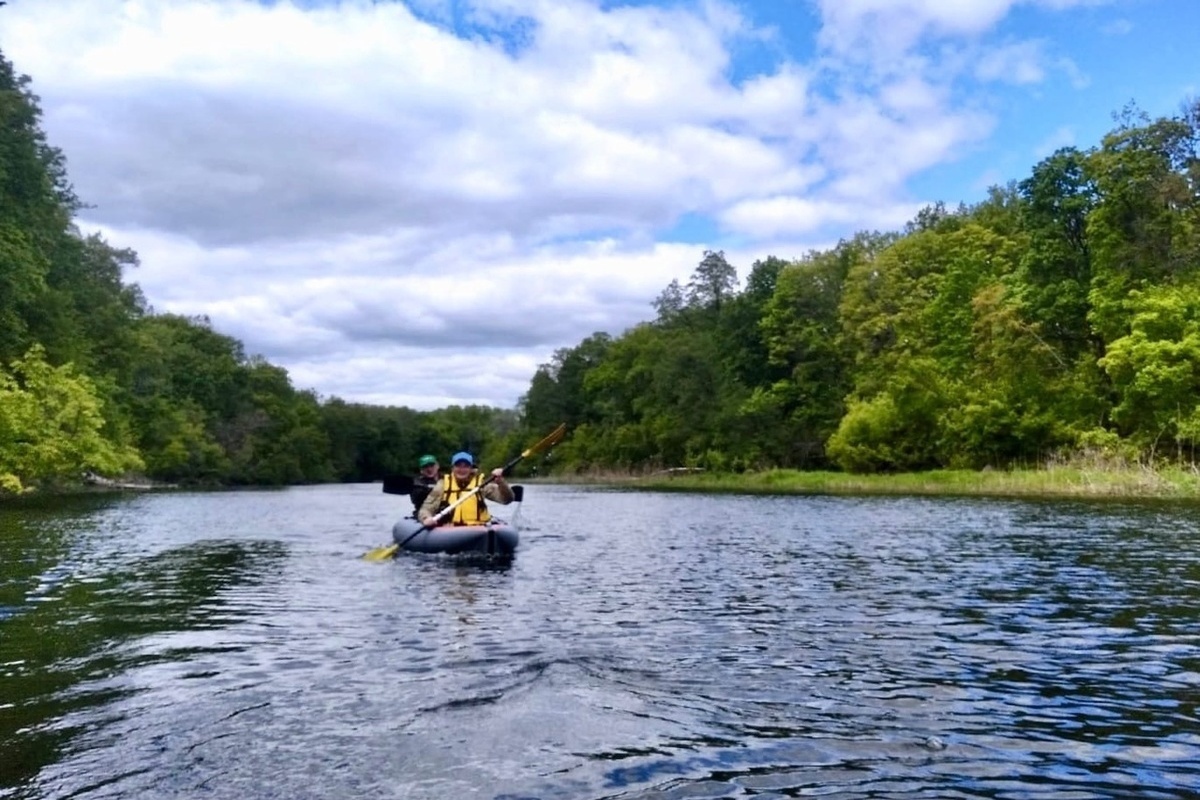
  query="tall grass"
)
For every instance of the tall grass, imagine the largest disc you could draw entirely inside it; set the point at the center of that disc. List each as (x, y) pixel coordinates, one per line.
(1079, 478)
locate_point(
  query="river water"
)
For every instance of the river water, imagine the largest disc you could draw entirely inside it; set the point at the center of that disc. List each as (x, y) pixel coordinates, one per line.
(639, 645)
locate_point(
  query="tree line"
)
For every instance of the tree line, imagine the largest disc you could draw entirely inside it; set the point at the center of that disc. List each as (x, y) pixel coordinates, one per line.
(1061, 314)
(92, 380)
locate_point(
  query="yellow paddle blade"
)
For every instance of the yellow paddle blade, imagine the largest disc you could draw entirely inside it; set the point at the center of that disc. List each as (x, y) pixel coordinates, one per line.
(381, 553)
(553, 438)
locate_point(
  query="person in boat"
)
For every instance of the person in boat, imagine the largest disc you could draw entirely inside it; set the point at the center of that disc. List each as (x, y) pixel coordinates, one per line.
(463, 479)
(427, 477)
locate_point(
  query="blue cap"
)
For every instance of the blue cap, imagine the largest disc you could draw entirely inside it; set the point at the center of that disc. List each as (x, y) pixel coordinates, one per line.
(462, 457)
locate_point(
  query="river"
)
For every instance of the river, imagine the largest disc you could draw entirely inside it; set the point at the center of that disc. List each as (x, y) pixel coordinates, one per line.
(639, 645)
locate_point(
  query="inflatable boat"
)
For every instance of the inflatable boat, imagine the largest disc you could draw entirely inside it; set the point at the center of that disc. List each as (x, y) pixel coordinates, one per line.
(496, 538)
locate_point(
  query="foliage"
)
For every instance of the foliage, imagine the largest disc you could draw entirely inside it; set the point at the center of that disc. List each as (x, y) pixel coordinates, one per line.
(1155, 368)
(51, 425)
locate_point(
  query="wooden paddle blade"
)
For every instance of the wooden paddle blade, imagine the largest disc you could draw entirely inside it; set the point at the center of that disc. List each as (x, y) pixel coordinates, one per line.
(381, 553)
(397, 484)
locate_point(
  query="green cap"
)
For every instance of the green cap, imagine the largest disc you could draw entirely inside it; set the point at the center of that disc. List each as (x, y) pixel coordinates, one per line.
(426, 461)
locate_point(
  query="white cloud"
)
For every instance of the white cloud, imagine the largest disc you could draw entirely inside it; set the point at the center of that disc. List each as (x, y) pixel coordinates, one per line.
(1077, 77)
(1020, 63)
(1118, 27)
(886, 39)
(396, 211)
(947, 16)
(784, 215)
(989, 178)
(1062, 137)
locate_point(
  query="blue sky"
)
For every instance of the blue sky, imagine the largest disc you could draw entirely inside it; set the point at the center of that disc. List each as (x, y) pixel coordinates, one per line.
(418, 202)
(1122, 52)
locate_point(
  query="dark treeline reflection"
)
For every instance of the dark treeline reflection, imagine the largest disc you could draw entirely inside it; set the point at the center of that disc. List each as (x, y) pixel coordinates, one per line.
(71, 628)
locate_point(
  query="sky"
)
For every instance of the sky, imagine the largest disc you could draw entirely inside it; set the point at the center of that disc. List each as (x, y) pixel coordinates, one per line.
(417, 203)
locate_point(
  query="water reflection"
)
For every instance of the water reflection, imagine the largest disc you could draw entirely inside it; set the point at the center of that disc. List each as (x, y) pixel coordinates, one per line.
(69, 645)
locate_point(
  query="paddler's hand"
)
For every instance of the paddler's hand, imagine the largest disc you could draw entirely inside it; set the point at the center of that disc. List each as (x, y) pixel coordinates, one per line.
(498, 474)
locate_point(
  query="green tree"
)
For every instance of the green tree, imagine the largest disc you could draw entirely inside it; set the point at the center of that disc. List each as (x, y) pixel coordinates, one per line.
(740, 331)
(1145, 228)
(556, 392)
(281, 439)
(88, 313)
(1156, 369)
(35, 206)
(900, 427)
(713, 282)
(809, 364)
(22, 281)
(188, 398)
(909, 318)
(1021, 398)
(51, 425)
(1055, 269)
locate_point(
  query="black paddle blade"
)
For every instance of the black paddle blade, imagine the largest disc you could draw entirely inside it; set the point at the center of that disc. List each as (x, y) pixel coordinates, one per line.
(397, 484)
(518, 493)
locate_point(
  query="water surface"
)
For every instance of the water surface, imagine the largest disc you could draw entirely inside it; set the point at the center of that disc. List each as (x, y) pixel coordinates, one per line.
(233, 645)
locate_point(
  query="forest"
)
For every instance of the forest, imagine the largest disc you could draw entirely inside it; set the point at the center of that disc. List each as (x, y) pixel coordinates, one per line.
(1057, 318)
(1060, 315)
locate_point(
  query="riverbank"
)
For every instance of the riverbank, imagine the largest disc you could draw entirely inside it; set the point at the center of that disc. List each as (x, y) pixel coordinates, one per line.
(88, 483)
(1049, 482)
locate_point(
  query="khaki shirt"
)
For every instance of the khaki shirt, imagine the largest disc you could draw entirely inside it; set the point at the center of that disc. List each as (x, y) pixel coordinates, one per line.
(493, 492)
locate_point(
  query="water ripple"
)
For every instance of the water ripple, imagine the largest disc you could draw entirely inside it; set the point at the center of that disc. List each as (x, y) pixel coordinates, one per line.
(638, 646)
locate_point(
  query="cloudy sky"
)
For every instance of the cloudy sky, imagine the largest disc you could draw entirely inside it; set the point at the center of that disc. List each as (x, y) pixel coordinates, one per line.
(416, 203)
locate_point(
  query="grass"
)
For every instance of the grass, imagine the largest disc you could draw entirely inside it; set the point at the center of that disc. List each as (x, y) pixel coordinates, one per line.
(1054, 481)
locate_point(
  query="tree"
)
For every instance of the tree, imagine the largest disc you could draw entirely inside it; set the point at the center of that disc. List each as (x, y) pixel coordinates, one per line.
(35, 206)
(1155, 368)
(1145, 228)
(670, 303)
(556, 393)
(809, 364)
(713, 282)
(52, 425)
(1055, 270)
(743, 342)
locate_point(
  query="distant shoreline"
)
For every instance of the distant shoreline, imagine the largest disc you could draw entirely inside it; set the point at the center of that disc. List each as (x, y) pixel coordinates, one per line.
(1049, 483)
(1057, 482)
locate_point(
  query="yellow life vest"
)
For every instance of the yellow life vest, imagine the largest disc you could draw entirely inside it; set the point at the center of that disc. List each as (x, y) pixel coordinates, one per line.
(472, 511)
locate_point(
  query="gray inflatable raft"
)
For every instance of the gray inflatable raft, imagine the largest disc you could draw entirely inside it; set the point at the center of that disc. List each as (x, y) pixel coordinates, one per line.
(497, 538)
